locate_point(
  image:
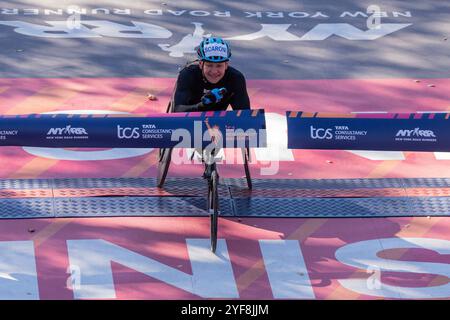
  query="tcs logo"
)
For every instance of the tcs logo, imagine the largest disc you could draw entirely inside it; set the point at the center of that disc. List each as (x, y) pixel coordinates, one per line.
(321, 133)
(127, 133)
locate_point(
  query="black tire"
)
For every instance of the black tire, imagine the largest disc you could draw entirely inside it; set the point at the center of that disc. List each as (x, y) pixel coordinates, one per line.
(165, 155)
(213, 208)
(248, 177)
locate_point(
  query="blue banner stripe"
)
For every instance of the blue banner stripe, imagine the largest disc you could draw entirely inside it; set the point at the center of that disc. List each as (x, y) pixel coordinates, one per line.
(243, 128)
(391, 132)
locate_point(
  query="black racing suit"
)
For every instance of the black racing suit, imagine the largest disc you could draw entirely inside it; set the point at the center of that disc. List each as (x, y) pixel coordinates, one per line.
(192, 85)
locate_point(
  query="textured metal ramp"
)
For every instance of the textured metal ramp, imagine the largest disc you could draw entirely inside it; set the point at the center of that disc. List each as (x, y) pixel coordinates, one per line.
(103, 197)
(317, 183)
(108, 207)
(132, 206)
(343, 207)
(26, 208)
(84, 183)
(341, 183)
(340, 193)
(25, 184)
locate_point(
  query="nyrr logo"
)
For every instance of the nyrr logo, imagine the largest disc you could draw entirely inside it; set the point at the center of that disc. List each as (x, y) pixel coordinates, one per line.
(128, 133)
(321, 133)
(415, 133)
(68, 130)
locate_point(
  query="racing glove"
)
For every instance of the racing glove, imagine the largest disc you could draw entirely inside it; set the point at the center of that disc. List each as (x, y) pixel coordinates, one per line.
(214, 96)
(206, 103)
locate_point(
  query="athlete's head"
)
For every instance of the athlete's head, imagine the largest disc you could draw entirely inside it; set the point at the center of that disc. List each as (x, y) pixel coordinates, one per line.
(214, 54)
(214, 49)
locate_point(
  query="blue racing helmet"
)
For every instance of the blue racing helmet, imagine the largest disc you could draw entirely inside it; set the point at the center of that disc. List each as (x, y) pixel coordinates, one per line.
(214, 50)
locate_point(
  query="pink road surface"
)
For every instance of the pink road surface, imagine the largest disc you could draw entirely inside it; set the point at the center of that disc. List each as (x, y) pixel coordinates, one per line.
(163, 239)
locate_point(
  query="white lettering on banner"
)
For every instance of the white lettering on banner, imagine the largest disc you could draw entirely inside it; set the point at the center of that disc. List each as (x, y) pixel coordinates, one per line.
(417, 132)
(73, 155)
(212, 274)
(393, 155)
(128, 133)
(276, 149)
(286, 269)
(321, 133)
(364, 254)
(18, 276)
(66, 130)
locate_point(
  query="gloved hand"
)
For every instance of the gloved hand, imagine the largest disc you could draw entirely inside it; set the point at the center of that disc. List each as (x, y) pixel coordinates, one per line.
(214, 96)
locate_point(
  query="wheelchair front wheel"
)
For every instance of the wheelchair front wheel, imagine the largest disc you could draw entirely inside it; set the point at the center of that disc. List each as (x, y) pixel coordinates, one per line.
(213, 207)
(165, 155)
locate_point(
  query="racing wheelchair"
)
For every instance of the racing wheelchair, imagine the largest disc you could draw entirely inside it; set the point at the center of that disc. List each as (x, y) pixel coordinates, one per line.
(211, 175)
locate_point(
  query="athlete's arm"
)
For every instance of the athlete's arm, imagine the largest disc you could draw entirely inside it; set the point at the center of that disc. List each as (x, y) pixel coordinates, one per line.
(240, 99)
(183, 94)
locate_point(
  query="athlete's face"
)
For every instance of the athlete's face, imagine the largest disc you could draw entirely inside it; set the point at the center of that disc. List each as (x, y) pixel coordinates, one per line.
(213, 71)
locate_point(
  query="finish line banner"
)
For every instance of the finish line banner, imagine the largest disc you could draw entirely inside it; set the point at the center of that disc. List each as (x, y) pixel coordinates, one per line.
(374, 131)
(185, 130)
